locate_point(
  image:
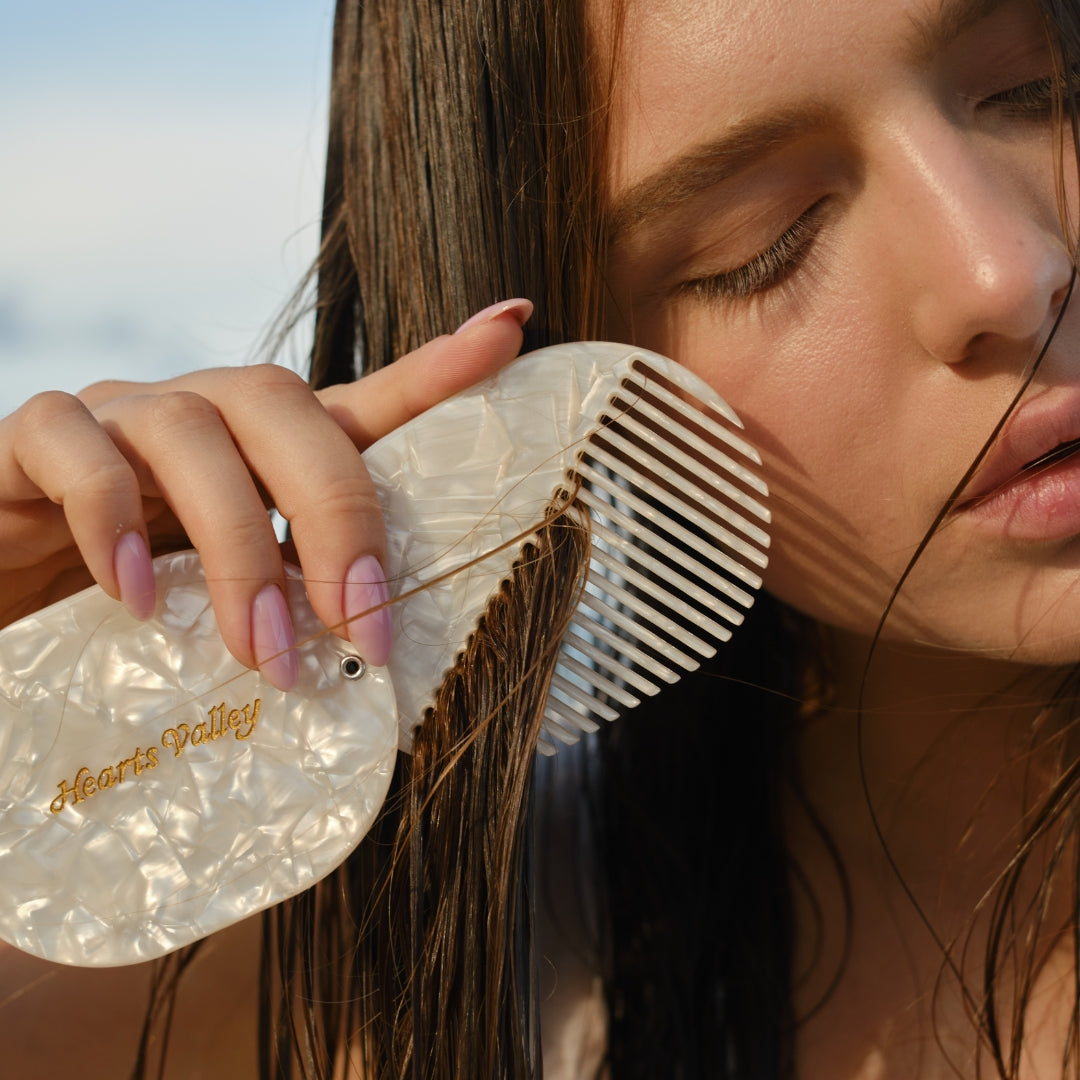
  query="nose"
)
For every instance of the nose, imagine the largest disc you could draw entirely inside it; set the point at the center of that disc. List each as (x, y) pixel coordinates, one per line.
(988, 257)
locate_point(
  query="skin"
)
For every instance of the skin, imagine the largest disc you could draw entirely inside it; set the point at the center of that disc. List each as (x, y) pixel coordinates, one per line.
(870, 376)
(196, 460)
(883, 360)
(76, 473)
(870, 372)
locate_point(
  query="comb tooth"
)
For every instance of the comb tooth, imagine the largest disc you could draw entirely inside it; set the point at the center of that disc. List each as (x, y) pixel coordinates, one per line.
(651, 513)
(544, 745)
(625, 648)
(598, 681)
(618, 662)
(641, 407)
(677, 546)
(663, 446)
(717, 534)
(699, 414)
(669, 599)
(555, 726)
(650, 615)
(622, 468)
(677, 376)
(681, 558)
(671, 576)
(569, 714)
(584, 699)
(562, 721)
(694, 495)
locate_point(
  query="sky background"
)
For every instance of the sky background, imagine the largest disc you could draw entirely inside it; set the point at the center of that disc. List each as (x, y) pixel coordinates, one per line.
(160, 177)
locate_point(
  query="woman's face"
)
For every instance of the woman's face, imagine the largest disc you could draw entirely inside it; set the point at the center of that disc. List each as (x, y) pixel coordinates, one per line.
(844, 215)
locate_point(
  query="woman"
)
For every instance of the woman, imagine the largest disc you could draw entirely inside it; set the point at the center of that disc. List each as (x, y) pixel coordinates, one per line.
(855, 220)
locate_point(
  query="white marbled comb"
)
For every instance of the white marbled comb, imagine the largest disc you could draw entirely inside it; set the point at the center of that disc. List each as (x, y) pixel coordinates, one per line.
(152, 790)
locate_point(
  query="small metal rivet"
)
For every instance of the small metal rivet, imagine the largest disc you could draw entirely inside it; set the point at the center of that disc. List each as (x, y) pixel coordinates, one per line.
(352, 667)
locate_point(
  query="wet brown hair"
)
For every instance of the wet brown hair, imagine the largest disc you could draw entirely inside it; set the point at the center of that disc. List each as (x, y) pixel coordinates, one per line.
(462, 168)
(464, 164)
(416, 957)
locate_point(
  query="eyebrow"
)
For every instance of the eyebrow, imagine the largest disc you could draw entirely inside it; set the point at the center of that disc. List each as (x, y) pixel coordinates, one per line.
(936, 31)
(710, 163)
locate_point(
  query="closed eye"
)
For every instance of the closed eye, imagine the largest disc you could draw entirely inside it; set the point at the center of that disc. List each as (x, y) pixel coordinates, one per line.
(766, 269)
(1033, 100)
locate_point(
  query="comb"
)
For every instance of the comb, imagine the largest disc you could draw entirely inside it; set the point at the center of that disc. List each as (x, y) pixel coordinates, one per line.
(674, 505)
(152, 790)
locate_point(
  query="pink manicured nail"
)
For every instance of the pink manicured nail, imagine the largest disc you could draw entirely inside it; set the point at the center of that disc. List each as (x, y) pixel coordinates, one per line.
(518, 308)
(135, 575)
(272, 638)
(366, 588)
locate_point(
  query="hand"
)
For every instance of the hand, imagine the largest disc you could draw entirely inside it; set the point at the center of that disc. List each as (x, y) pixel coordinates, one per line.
(89, 484)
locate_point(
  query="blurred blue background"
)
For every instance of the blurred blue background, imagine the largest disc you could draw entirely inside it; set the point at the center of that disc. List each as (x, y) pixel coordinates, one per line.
(160, 177)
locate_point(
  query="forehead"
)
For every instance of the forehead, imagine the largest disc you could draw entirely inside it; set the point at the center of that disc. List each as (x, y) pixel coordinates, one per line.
(683, 69)
(672, 43)
(681, 62)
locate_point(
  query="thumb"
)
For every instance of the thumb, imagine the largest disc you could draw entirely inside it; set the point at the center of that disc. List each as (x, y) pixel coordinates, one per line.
(375, 405)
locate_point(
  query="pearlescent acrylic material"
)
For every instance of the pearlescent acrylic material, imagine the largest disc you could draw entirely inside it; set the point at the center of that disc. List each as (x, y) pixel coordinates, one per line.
(464, 485)
(153, 790)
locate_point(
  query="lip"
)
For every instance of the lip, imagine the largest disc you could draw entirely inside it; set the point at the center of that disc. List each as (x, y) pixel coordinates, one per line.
(1013, 490)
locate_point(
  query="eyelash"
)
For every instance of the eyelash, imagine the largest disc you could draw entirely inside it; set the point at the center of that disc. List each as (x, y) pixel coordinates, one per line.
(1033, 100)
(766, 269)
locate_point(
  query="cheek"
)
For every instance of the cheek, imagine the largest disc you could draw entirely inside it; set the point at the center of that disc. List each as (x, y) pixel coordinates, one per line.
(828, 410)
(829, 458)
(863, 438)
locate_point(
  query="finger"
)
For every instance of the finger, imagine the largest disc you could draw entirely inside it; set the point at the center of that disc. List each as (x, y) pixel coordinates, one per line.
(179, 444)
(381, 402)
(56, 450)
(101, 393)
(317, 480)
(377, 404)
(265, 430)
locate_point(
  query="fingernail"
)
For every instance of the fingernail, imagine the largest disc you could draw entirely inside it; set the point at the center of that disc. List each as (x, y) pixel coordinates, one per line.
(366, 588)
(135, 575)
(272, 637)
(519, 308)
